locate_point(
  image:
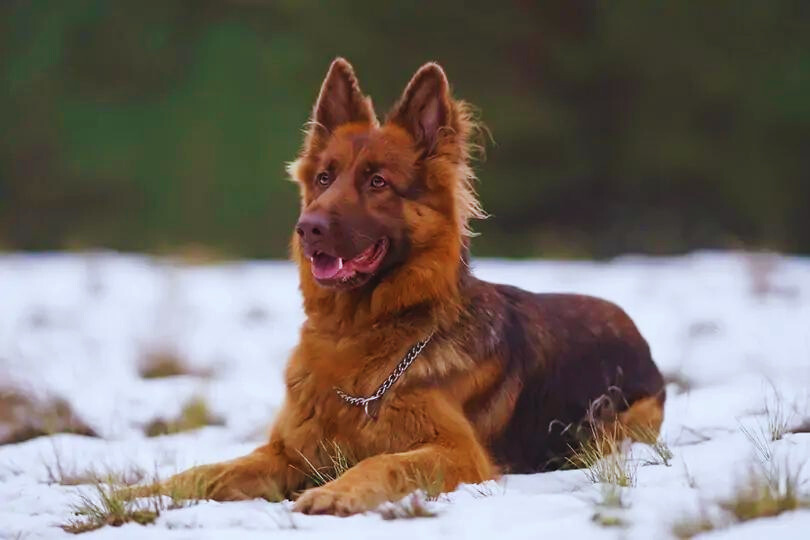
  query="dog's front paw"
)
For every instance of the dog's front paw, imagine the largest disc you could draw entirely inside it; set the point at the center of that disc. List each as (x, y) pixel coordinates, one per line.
(331, 500)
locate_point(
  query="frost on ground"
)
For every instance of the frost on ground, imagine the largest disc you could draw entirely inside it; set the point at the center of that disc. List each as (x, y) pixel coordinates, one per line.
(730, 331)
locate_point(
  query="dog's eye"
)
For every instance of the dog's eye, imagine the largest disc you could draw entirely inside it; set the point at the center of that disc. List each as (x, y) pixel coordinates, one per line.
(323, 179)
(378, 181)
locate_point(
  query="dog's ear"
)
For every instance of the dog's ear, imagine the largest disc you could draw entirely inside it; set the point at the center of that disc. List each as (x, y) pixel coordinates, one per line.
(425, 107)
(340, 102)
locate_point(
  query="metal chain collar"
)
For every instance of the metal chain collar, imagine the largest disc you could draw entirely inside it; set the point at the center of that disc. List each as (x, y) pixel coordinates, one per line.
(400, 370)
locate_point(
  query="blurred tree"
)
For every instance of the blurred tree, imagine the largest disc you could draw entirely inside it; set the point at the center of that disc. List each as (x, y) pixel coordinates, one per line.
(620, 126)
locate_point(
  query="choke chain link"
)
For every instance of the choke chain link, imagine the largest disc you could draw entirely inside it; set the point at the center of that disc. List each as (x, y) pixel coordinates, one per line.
(400, 370)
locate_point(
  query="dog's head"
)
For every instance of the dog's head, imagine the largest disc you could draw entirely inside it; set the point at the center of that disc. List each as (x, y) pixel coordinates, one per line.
(377, 198)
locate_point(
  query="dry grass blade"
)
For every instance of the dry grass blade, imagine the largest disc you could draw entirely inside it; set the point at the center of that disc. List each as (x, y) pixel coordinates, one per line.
(759, 441)
(778, 418)
(489, 488)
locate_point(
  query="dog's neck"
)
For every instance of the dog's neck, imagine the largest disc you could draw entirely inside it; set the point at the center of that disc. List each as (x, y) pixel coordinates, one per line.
(425, 291)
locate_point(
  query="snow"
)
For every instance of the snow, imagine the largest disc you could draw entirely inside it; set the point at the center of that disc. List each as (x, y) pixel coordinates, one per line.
(733, 325)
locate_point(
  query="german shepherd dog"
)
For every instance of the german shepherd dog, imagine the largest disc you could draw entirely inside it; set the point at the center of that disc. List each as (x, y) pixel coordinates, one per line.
(406, 361)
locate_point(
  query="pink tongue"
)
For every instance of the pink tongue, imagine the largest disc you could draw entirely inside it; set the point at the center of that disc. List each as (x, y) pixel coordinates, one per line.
(325, 266)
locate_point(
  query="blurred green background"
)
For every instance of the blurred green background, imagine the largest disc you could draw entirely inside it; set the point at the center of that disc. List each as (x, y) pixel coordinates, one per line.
(655, 127)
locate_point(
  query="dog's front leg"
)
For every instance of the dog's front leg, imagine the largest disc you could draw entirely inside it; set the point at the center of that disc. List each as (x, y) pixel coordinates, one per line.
(440, 465)
(264, 473)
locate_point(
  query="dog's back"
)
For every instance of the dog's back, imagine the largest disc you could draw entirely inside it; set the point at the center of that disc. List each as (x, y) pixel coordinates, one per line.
(571, 363)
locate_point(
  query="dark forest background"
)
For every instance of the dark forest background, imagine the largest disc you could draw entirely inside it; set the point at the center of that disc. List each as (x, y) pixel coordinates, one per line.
(654, 127)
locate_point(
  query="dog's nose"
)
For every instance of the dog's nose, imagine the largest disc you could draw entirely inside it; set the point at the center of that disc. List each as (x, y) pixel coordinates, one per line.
(311, 226)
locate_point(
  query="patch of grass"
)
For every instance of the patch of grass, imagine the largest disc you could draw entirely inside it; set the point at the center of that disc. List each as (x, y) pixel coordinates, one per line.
(161, 363)
(612, 496)
(339, 460)
(110, 506)
(195, 414)
(605, 457)
(610, 507)
(662, 454)
(412, 507)
(777, 423)
(691, 526)
(24, 416)
(768, 490)
(609, 520)
(115, 501)
(429, 482)
(767, 493)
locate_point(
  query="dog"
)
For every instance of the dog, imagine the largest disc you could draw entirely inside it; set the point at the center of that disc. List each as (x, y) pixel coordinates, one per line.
(406, 361)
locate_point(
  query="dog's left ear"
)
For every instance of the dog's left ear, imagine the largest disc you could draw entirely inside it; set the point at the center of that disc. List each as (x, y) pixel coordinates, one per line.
(425, 108)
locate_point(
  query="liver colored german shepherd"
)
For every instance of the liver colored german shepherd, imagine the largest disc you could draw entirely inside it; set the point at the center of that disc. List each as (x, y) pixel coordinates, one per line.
(453, 378)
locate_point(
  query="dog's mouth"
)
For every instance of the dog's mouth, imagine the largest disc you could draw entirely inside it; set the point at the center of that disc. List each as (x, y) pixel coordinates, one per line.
(332, 270)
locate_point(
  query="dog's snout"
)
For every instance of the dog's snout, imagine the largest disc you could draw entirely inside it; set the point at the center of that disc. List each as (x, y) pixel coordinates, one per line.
(312, 226)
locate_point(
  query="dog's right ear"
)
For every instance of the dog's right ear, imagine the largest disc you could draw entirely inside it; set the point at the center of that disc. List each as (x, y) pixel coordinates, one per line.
(340, 102)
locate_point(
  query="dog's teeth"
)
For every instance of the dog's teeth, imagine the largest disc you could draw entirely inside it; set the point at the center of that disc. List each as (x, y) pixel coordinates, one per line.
(340, 263)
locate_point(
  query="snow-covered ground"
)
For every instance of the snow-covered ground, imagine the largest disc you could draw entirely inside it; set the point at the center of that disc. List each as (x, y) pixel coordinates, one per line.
(734, 328)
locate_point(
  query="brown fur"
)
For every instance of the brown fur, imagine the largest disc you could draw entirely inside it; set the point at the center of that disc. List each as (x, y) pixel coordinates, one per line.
(507, 371)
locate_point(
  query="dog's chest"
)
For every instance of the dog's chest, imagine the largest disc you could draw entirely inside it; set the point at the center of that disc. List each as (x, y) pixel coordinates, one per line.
(322, 419)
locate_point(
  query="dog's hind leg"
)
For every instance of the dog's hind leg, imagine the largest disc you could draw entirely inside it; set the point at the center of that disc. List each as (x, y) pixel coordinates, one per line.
(642, 421)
